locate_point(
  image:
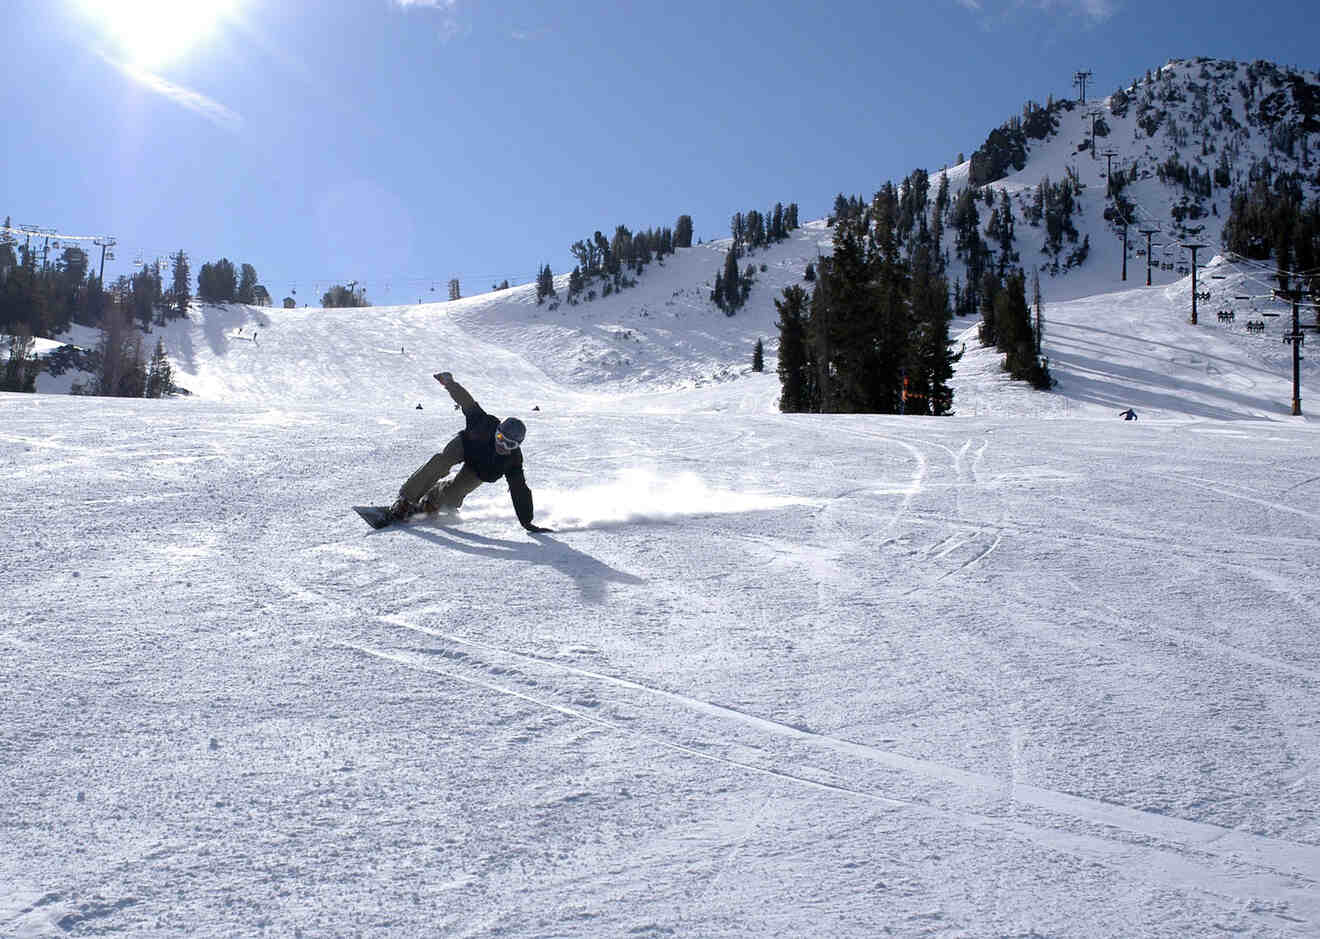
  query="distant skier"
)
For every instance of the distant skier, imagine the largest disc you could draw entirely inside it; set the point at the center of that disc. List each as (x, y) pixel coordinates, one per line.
(488, 448)
(1128, 415)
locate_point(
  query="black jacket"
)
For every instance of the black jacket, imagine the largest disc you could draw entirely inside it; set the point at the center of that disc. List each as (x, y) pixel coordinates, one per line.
(480, 456)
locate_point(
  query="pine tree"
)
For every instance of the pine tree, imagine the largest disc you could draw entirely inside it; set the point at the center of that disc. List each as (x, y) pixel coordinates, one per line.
(732, 295)
(341, 296)
(1016, 340)
(754, 229)
(796, 368)
(180, 294)
(882, 377)
(247, 284)
(758, 357)
(842, 317)
(218, 282)
(683, 232)
(545, 284)
(989, 289)
(932, 363)
(160, 376)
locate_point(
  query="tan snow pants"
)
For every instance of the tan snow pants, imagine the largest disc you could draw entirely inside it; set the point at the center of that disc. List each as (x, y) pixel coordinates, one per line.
(429, 478)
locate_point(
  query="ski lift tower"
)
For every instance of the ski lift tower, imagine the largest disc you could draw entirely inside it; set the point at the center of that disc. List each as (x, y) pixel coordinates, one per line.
(1109, 171)
(104, 244)
(1295, 339)
(1193, 248)
(1081, 78)
(1148, 232)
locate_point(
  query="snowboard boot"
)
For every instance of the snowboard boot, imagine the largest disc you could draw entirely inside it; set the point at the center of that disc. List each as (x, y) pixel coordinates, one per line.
(401, 509)
(431, 503)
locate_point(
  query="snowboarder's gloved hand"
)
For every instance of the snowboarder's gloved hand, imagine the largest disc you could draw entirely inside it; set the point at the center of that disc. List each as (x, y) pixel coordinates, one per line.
(537, 529)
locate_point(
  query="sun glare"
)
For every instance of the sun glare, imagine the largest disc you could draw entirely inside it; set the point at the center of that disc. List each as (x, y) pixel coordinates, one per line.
(152, 33)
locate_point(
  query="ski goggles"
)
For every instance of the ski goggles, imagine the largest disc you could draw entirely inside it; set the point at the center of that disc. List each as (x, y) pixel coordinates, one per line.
(504, 444)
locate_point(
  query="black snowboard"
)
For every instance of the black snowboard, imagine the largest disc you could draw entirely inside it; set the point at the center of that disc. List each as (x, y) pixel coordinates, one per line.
(378, 516)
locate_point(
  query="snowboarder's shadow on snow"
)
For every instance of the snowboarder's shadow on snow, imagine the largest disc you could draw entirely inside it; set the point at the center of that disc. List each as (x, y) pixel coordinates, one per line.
(590, 574)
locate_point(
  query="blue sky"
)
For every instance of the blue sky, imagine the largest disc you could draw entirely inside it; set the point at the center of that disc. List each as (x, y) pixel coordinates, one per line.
(401, 144)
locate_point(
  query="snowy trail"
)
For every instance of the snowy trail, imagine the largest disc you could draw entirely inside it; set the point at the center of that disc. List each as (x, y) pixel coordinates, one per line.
(954, 638)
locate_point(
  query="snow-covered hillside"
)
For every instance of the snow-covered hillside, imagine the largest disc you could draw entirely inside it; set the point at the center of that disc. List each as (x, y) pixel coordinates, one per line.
(664, 341)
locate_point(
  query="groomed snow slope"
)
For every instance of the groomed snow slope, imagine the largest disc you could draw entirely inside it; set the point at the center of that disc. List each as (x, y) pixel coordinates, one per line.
(1027, 670)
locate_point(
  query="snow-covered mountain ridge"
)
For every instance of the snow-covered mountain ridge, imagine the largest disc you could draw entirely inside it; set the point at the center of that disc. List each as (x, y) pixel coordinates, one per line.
(1230, 122)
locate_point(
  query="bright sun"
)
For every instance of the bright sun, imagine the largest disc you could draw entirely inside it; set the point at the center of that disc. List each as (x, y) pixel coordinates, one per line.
(151, 33)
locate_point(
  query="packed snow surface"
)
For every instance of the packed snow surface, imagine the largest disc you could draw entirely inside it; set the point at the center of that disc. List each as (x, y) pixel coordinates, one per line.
(1026, 670)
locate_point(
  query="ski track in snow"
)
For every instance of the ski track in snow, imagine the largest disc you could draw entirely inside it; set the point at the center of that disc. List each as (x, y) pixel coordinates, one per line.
(1178, 869)
(1267, 853)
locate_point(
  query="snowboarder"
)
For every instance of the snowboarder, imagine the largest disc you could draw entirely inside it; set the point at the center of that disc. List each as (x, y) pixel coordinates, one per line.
(488, 448)
(1128, 415)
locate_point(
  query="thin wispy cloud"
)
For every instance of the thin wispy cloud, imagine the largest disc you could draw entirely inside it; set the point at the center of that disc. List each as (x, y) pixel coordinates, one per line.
(1096, 11)
(451, 26)
(1089, 11)
(194, 101)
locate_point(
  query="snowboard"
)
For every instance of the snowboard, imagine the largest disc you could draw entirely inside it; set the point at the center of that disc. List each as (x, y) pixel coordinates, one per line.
(378, 516)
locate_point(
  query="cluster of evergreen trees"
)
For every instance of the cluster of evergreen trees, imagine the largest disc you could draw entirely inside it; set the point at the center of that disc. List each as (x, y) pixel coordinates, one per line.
(1005, 148)
(750, 231)
(219, 282)
(754, 230)
(341, 296)
(873, 336)
(120, 365)
(1272, 218)
(732, 288)
(609, 261)
(1195, 181)
(995, 283)
(1007, 324)
(545, 284)
(45, 296)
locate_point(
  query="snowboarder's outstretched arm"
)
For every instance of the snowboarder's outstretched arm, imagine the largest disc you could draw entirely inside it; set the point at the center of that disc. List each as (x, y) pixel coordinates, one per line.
(456, 391)
(522, 498)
